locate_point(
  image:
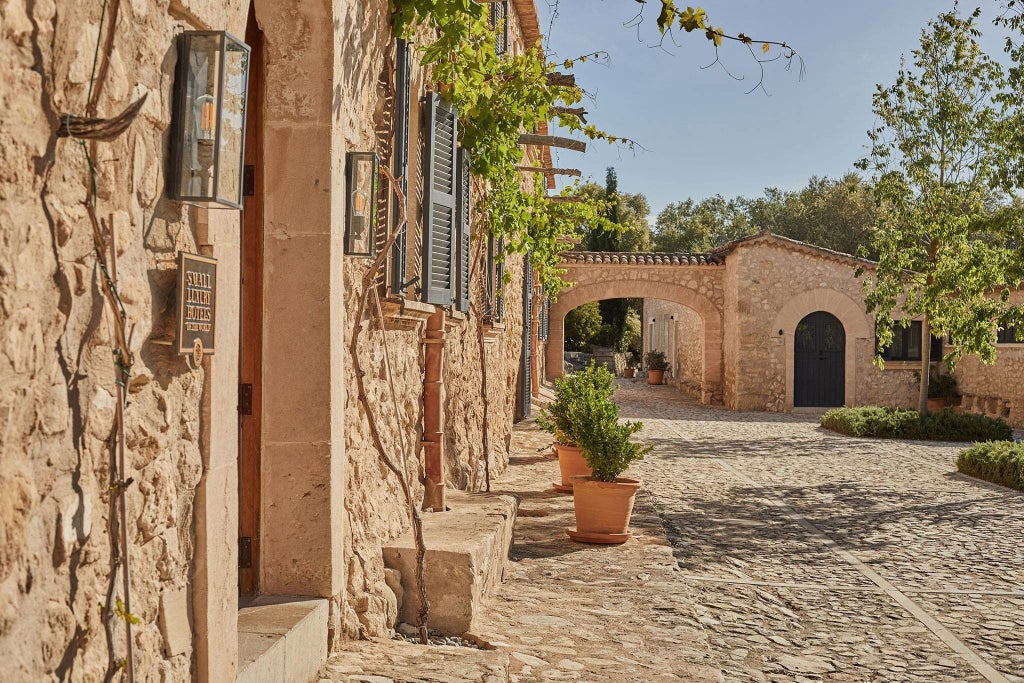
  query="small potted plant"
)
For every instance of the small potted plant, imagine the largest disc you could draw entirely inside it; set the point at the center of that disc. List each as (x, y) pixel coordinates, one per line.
(560, 417)
(942, 389)
(657, 364)
(630, 371)
(604, 500)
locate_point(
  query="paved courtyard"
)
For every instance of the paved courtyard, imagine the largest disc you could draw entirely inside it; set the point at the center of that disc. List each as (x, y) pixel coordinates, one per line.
(812, 556)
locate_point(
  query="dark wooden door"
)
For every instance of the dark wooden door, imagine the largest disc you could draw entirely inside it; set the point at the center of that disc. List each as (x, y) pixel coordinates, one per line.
(250, 370)
(819, 367)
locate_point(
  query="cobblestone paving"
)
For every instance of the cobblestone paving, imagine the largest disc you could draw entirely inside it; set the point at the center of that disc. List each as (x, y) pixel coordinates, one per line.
(814, 556)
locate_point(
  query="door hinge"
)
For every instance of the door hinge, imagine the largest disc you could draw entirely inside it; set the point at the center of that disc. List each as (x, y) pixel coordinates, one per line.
(245, 552)
(245, 399)
(248, 180)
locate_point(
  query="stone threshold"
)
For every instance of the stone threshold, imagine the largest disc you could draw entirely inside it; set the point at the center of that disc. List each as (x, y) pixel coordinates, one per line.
(281, 638)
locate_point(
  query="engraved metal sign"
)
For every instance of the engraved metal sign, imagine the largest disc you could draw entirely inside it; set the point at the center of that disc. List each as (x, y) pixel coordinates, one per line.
(197, 305)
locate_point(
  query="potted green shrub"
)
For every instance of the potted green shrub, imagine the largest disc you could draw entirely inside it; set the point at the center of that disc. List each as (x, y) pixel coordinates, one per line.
(603, 501)
(560, 417)
(657, 364)
(942, 389)
(630, 371)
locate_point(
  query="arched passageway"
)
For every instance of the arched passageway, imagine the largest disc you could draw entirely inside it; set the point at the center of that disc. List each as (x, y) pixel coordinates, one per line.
(695, 282)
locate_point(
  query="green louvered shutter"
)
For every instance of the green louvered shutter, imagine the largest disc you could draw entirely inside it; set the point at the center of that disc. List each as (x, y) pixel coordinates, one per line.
(439, 211)
(465, 225)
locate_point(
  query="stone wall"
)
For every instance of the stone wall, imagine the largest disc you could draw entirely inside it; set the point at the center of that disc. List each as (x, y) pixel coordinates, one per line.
(57, 379)
(687, 356)
(775, 284)
(996, 389)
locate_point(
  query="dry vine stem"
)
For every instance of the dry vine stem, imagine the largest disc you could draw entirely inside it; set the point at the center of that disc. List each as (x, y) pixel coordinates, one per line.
(414, 513)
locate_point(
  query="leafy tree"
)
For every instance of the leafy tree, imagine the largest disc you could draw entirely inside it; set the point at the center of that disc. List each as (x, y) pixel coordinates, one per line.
(939, 156)
(690, 226)
(835, 213)
(582, 325)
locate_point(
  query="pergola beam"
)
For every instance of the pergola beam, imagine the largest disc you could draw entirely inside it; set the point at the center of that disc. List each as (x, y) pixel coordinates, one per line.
(552, 141)
(575, 172)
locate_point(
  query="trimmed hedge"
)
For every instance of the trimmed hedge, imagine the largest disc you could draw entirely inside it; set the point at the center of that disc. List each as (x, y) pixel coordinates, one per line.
(1000, 462)
(893, 423)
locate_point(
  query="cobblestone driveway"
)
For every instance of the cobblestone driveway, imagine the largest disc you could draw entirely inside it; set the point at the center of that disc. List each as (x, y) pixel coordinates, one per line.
(819, 557)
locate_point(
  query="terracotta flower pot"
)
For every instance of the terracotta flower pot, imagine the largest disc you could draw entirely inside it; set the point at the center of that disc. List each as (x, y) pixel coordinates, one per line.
(629, 373)
(655, 376)
(603, 509)
(571, 463)
(937, 404)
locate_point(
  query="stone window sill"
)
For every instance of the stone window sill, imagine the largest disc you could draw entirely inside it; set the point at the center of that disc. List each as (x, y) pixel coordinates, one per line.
(405, 313)
(493, 330)
(455, 318)
(902, 365)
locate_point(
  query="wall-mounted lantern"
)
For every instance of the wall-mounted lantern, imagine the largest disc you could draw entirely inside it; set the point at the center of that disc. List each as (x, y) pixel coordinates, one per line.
(361, 217)
(210, 92)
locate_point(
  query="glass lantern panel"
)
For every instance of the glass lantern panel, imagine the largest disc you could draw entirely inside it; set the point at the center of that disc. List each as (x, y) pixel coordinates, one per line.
(363, 204)
(200, 126)
(232, 127)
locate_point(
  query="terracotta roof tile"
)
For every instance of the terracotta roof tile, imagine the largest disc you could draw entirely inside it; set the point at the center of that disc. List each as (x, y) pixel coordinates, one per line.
(643, 258)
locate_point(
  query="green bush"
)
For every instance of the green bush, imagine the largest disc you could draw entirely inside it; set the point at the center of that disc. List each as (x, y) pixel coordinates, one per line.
(604, 443)
(1000, 462)
(656, 360)
(892, 423)
(572, 393)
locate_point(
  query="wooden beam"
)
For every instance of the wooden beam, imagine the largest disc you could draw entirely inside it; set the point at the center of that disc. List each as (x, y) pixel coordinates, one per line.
(578, 112)
(552, 141)
(550, 171)
(560, 79)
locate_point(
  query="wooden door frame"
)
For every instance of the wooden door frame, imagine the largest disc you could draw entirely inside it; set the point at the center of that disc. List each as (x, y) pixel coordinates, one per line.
(250, 370)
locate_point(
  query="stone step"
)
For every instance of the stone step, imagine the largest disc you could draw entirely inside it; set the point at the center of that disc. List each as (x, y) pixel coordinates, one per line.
(467, 548)
(281, 638)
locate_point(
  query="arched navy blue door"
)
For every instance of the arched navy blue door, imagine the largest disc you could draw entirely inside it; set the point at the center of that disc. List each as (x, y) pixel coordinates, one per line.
(819, 362)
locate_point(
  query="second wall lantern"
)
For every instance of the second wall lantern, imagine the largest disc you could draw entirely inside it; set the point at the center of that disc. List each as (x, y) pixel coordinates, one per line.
(208, 138)
(361, 179)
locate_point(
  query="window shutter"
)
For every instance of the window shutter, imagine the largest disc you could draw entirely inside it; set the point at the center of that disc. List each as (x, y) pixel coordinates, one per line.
(545, 316)
(400, 162)
(526, 362)
(499, 276)
(465, 225)
(439, 211)
(498, 19)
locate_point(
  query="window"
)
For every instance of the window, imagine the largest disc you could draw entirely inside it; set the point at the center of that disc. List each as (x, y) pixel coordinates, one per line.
(906, 344)
(498, 19)
(400, 160)
(1010, 335)
(464, 228)
(440, 214)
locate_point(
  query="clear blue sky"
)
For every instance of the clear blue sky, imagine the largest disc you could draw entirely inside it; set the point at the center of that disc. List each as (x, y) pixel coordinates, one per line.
(705, 135)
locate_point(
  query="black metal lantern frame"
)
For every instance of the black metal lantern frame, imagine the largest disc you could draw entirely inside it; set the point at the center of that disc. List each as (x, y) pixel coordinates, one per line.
(361, 170)
(210, 101)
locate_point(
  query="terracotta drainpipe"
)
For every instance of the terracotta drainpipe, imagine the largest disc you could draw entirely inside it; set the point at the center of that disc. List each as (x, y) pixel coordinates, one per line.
(433, 413)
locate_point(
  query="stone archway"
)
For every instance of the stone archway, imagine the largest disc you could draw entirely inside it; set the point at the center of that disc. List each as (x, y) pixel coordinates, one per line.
(850, 314)
(698, 288)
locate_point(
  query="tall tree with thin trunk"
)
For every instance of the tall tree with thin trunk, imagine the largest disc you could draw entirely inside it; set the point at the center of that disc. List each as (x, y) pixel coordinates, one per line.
(939, 156)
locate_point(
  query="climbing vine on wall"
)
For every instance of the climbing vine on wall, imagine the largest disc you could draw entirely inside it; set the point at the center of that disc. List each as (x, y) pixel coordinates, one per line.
(499, 98)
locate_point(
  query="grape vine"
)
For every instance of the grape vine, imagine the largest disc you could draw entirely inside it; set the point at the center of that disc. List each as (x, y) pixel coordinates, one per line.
(498, 98)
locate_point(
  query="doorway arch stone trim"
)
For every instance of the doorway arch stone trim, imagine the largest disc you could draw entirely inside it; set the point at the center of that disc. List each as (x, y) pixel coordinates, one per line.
(851, 314)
